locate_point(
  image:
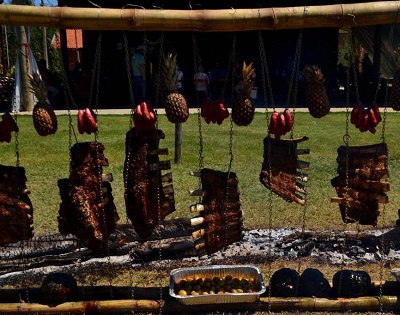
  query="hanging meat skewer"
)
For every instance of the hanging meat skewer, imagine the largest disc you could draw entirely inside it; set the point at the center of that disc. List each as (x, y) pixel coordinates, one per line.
(282, 172)
(149, 194)
(220, 222)
(16, 211)
(358, 184)
(87, 209)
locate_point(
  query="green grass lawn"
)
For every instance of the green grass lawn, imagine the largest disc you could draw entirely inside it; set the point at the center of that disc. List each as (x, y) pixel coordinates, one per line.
(46, 159)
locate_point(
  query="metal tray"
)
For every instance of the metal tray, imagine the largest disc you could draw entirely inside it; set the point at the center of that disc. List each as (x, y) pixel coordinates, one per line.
(239, 271)
(396, 273)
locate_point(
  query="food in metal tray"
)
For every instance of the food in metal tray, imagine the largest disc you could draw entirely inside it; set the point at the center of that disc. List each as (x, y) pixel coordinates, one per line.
(199, 285)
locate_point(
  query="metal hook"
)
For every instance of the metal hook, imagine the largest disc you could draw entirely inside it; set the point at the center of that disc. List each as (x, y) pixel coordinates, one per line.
(346, 138)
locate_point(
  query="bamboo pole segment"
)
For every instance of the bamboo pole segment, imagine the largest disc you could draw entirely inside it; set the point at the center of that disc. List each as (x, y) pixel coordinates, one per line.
(368, 303)
(223, 20)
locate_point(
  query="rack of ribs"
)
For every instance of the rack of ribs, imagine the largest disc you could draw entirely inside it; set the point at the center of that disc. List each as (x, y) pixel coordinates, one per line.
(220, 220)
(149, 193)
(87, 208)
(358, 184)
(16, 211)
(282, 172)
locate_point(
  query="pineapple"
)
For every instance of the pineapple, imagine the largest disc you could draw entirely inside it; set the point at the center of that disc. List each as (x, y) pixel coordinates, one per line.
(176, 107)
(394, 99)
(316, 97)
(44, 118)
(243, 107)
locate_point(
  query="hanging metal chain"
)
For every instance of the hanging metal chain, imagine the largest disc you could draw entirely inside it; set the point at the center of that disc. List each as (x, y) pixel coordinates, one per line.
(266, 80)
(346, 139)
(68, 97)
(231, 63)
(129, 77)
(383, 139)
(197, 62)
(295, 66)
(158, 89)
(95, 74)
(296, 72)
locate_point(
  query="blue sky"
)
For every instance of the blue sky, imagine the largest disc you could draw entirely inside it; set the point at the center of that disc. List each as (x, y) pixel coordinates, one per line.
(38, 2)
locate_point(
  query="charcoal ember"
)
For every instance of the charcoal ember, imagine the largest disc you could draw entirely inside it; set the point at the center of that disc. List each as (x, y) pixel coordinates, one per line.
(314, 284)
(358, 184)
(279, 168)
(351, 283)
(285, 283)
(222, 213)
(58, 287)
(145, 199)
(87, 209)
(16, 210)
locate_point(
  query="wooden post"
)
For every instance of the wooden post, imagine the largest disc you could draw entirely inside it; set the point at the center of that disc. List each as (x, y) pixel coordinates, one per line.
(178, 143)
(24, 66)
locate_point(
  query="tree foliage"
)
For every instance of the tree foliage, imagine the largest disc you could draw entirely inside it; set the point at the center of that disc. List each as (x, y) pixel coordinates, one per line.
(36, 44)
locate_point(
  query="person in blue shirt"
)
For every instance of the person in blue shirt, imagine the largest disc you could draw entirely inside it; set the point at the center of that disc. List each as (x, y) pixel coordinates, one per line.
(138, 64)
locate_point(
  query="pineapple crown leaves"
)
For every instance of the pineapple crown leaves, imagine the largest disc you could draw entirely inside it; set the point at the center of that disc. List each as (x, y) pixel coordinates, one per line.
(247, 73)
(313, 74)
(38, 88)
(169, 72)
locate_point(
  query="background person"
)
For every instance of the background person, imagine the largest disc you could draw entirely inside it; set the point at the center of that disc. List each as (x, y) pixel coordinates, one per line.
(138, 64)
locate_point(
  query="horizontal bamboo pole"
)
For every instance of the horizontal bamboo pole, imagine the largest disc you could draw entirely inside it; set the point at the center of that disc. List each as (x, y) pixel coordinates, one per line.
(222, 20)
(368, 303)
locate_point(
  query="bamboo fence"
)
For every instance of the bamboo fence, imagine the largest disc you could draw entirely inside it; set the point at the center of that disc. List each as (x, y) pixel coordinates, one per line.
(384, 303)
(222, 20)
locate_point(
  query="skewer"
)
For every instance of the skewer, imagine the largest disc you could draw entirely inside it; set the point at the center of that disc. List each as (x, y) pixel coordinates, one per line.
(156, 135)
(301, 176)
(303, 165)
(198, 234)
(229, 182)
(197, 221)
(197, 193)
(107, 177)
(169, 189)
(234, 218)
(379, 198)
(302, 151)
(372, 186)
(158, 152)
(300, 188)
(161, 165)
(230, 206)
(230, 238)
(167, 177)
(299, 199)
(197, 207)
(195, 173)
